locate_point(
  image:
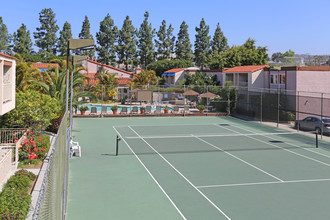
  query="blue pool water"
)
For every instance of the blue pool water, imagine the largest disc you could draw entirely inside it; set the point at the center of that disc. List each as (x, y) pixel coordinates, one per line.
(99, 107)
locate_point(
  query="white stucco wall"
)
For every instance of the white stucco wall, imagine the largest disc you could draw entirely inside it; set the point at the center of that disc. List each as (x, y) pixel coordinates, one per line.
(256, 79)
(8, 84)
(179, 76)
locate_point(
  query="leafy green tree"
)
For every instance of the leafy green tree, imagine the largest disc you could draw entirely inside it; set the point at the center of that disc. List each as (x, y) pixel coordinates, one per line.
(200, 78)
(22, 41)
(277, 57)
(202, 44)
(106, 86)
(65, 35)
(106, 38)
(45, 36)
(145, 45)
(247, 54)
(288, 53)
(33, 109)
(219, 42)
(165, 42)
(85, 33)
(126, 48)
(5, 37)
(183, 46)
(161, 66)
(24, 73)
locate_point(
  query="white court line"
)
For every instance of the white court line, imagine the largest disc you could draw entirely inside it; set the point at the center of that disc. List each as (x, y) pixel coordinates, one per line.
(222, 212)
(274, 145)
(166, 125)
(239, 159)
(263, 183)
(151, 175)
(290, 143)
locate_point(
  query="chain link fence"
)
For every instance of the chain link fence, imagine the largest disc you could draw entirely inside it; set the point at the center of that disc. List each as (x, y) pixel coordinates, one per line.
(52, 198)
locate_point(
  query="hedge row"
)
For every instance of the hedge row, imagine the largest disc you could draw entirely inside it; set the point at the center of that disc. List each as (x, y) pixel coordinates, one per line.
(14, 198)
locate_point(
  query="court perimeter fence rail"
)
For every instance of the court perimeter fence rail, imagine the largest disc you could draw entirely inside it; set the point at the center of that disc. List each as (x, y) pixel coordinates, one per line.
(52, 198)
(260, 104)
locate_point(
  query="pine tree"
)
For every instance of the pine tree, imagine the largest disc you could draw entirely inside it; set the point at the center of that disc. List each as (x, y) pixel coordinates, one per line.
(219, 42)
(45, 36)
(86, 34)
(5, 38)
(165, 44)
(126, 49)
(65, 35)
(145, 45)
(22, 41)
(202, 44)
(183, 46)
(106, 38)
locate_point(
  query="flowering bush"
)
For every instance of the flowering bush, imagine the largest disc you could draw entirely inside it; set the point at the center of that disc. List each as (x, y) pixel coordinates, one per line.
(34, 147)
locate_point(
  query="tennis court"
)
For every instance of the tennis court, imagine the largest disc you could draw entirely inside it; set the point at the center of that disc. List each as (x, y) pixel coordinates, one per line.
(197, 168)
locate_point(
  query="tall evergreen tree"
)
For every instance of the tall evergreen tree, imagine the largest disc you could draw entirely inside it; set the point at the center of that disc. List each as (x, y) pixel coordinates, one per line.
(106, 38)
(165, 42)
(45, 36)
(145, 45)
(86, 34)
(126, 49)
(22, 41)
(183, 46)
(202, 44)
(65, 35)
(4, 37)
(219, 42)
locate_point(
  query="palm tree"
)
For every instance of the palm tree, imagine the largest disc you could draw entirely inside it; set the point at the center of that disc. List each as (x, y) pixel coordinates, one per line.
(106, 85)
(55, 86)
(24, 73)
(145, 78)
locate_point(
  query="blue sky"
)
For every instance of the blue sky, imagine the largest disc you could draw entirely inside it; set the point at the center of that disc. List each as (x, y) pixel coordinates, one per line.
(300, 25)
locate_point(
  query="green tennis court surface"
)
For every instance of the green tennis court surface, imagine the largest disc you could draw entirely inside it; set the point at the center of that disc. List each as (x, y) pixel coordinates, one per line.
(196, 168)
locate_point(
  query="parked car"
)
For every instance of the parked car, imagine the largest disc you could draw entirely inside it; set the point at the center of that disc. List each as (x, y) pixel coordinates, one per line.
(314, 123)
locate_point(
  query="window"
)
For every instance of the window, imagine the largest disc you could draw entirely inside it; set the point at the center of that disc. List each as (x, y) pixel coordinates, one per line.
(278, 78)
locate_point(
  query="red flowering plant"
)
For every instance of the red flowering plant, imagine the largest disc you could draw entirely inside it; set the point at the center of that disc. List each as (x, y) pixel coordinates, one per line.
(34, 147)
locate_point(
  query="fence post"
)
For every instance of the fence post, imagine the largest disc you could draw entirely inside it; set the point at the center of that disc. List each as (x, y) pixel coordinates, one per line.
(278, 107)
(261, 105)
(207, 101)
(321, 115)
(228, 101)
(184, 100)
(298, 124)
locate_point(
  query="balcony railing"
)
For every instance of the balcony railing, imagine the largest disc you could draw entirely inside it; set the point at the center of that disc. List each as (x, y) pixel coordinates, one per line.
(10, 135)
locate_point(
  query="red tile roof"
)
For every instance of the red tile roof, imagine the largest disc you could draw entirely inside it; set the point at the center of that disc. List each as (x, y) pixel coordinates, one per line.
(5, 55)
(306, 68)
(93, 80)
(44, 65)
(175, 70)
(251, 68)
(111, 67)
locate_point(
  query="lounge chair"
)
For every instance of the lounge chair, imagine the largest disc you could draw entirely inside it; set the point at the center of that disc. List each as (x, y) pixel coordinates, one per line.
(75, 149)
(158, 109)
(135, 110)
(93, 111)
(175, 109)
(104, 110)
(186, 109)
(148, 109)
(123, 110)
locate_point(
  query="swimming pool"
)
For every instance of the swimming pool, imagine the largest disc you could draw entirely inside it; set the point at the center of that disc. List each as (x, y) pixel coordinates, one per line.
(99, 107)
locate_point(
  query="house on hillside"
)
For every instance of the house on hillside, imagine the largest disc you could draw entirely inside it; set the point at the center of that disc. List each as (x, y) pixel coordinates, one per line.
(44, 66)
(174, 76)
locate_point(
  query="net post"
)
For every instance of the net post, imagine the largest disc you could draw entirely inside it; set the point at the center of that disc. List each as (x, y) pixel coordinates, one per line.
(117, 144)
(316, 139)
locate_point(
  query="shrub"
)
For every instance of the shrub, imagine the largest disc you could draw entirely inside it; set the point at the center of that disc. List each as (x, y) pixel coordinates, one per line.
(18, 182)
(14, 204)
(200, 107)
(114, 107)
(31, 176)
(83, 108)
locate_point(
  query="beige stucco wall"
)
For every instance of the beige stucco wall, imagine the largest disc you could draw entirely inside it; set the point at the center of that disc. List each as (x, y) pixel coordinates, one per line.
(93, 68)
(5, 164)
(313, 81)
(256, 79)
(179, 76)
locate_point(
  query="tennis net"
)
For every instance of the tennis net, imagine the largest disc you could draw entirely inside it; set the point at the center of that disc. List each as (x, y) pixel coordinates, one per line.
(194, 143)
